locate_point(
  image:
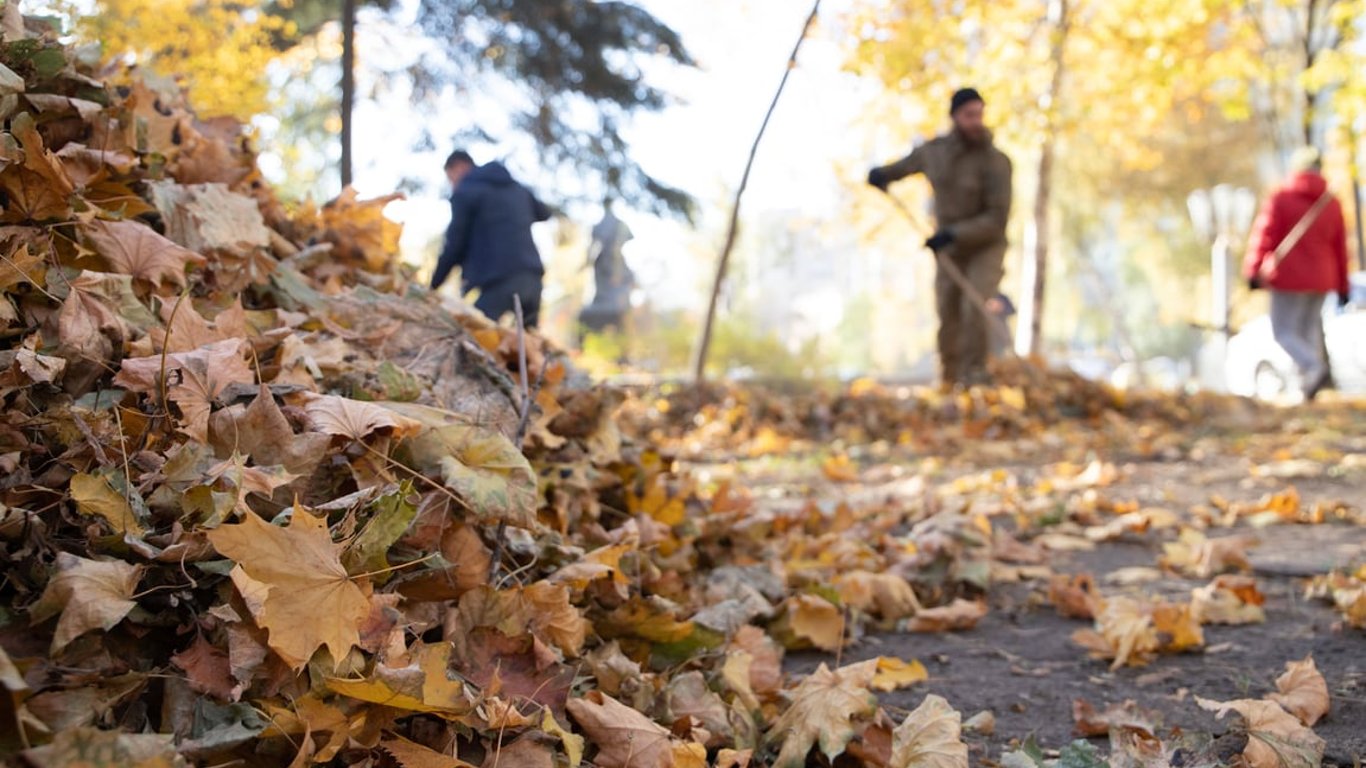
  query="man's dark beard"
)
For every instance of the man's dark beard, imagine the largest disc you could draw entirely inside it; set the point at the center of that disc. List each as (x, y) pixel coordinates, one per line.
(979, 138)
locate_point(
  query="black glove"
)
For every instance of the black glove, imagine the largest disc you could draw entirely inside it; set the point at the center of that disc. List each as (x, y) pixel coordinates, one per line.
(1344, 298)
(1255, 283)
(940, 240)
(878, 178)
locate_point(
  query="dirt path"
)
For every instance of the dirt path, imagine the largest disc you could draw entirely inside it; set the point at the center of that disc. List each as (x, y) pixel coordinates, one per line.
(1019, 662)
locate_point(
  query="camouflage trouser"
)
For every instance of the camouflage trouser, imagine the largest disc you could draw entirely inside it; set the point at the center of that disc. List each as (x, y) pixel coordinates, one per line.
(964, 333)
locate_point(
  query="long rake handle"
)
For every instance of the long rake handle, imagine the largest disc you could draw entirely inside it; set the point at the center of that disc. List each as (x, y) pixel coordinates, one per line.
(955, 274)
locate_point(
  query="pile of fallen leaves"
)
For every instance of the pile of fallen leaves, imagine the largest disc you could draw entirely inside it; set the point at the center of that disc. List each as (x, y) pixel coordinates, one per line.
(264, 503)
(1023, 400)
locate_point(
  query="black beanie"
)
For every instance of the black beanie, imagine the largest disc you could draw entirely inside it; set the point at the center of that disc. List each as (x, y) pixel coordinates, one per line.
(963, 97)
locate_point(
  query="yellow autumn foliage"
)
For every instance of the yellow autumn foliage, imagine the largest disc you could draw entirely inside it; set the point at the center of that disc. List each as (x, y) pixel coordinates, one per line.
(217, 49)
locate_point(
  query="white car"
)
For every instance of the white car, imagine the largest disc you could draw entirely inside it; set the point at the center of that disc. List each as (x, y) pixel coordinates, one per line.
(1256, 365)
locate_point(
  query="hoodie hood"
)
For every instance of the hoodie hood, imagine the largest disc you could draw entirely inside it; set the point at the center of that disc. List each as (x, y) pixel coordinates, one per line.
(1307, 184)
(493, 174)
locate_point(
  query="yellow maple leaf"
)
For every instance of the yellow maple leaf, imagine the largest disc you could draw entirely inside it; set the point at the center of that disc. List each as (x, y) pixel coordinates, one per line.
(823, 707)
(309, 600)
(887, 595)
(94, 496)
(894, 673)
(815, 621)
(421, 686)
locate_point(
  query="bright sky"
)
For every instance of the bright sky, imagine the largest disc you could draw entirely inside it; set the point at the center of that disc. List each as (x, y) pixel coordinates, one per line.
(701, 143)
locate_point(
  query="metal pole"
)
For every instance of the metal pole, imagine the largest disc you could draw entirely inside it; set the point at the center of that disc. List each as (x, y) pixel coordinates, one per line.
(1219, 307)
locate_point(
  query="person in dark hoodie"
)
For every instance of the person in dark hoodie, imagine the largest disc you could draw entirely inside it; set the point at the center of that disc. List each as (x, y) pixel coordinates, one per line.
(1298, 250)
(489, 238)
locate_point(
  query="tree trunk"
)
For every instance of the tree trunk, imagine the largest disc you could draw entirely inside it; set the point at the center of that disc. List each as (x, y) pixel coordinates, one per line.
(1356, 209)
(1033, 345)
(1354, 160)
(348, 86)
(723, 262)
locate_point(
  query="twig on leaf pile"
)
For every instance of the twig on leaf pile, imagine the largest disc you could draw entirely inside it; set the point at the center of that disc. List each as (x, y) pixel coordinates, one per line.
(500, 536)
(165, 349)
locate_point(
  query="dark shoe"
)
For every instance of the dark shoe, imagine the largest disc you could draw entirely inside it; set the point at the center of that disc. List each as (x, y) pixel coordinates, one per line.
(1315, 387)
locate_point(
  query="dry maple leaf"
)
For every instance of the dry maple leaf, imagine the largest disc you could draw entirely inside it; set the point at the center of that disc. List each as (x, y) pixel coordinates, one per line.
(1302, 691)
(37, 158)
(823, 708)
(21, 266)
(31, 198)
(1177, 626)
(261, 432)
(812, 621)
(930, 737)
(1228, 599)
(421, 686)
(187, 330)
(309, 716)
(90, 746)
(734, 758)
(1276, 739)
(94, 496)
(207, 668)
(885, 594)
(88, 320)
(735, 674)
(1089, 723)
(766, 665)
(133, 248)
(1124, 632)
(839, 469)
(894, 673)
(1196, 555)
(554, 619)
(355, 419)
(309, 601)
(89, 594)
(687, 698)
(1075, 596)
(410, 754)
(958, 615)
(625, 738)
(193, 380)
(479, 464)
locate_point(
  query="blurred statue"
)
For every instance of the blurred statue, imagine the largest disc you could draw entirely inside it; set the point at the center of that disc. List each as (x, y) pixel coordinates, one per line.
(613, 280)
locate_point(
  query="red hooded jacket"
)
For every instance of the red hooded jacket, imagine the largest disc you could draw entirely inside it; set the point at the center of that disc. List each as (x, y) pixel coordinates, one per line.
(1318, 262)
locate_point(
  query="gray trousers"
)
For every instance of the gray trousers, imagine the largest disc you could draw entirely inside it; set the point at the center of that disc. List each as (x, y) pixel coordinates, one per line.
(1297, 324)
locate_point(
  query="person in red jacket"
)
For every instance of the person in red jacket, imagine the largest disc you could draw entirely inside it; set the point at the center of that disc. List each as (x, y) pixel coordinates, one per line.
(1298, 250)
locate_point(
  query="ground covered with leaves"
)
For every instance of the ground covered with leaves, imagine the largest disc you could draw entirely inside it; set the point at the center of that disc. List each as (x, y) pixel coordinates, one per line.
(1128, 571)
(263, 502)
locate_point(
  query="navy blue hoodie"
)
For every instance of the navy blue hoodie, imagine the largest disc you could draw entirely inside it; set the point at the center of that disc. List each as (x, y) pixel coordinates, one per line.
(489, 236)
